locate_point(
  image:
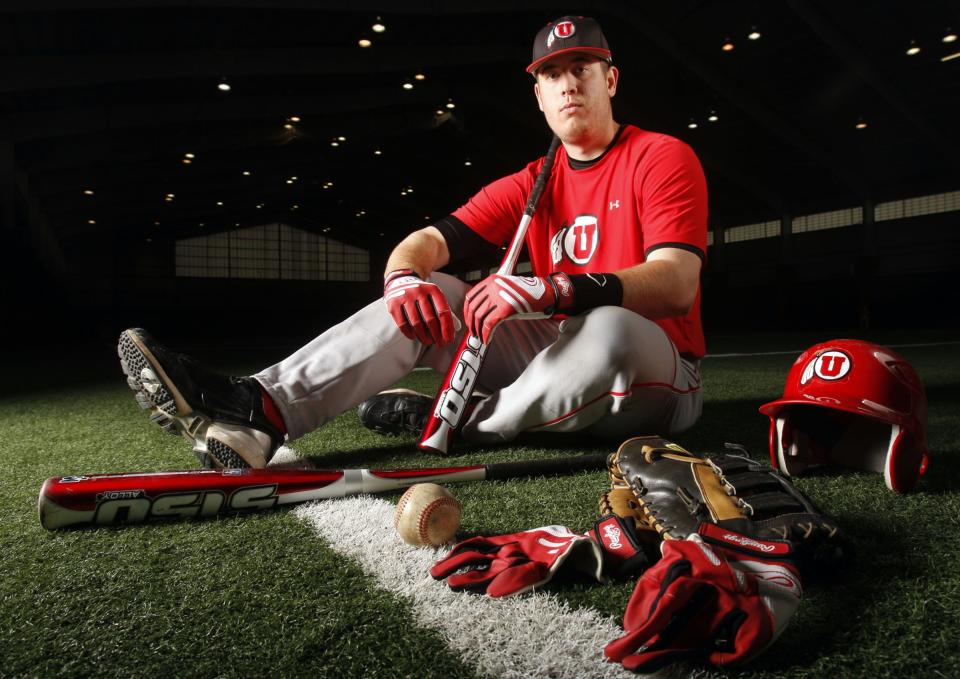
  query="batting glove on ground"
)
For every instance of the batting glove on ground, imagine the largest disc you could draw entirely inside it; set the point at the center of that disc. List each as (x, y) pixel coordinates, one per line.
(717, 596)
(504, 565)
(418, 307)
(497, 298)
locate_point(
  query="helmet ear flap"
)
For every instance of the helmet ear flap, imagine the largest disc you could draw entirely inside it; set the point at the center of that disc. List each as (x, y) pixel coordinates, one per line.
(906, 461)
(793, 446)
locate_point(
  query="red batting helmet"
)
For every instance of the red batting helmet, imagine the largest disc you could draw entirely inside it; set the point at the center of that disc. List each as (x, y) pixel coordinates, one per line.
(854, 404)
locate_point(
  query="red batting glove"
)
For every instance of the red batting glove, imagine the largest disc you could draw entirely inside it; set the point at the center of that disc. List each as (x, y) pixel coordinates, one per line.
(497, 298)
(717, 596)
(503, 565)
(418, 307)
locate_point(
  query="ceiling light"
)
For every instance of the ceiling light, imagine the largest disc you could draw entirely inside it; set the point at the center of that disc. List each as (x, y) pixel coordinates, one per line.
(861, 124)
(88, 192)
(950, 56)
(408, 86)
(913, 49)
(91, 221)
(288, 126)
(439, 113)
(220, 203)
(950, 36)
(377, 152)
(467, 162)
(364, 42)
(189, 155)
(186, 161)
(156, 223)
(419, 76)
(713, 117)
(260, 206)
(727, 45)
(294, 119)
(246, 173)
(334, 143)
(341, 138)
(692, 124)
(289, 181)
(223, 85)
(295, 207)
(378, 27)
(451, 105)
(754, 34)
(403, 193)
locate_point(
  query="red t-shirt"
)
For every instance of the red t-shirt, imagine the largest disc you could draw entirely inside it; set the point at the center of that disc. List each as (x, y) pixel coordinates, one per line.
(646, 192)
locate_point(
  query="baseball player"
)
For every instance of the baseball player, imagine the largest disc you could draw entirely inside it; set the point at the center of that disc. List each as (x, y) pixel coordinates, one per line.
(603, 337)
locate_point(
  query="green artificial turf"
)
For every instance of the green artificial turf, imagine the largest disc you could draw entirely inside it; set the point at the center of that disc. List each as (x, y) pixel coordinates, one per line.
(261, 595)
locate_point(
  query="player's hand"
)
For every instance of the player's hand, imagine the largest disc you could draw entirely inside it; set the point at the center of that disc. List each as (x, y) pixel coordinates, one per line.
(717, 596)
(418, 307)
(497, 298)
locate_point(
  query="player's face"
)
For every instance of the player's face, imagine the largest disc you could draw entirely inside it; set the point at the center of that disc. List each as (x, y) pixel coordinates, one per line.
(574, 91)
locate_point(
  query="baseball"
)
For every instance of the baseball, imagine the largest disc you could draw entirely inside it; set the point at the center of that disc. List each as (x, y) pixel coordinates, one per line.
(427, 514)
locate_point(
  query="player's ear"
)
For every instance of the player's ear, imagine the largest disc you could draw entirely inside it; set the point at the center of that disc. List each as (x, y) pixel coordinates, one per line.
(613, 77)
(536, 93)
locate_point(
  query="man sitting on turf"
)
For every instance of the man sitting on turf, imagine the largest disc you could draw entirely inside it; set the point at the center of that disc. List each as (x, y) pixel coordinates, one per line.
(609, 340)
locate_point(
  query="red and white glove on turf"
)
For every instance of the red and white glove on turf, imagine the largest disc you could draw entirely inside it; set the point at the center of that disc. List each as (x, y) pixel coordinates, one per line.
(717, 596)
(418, 307)
(504, 565)
(496, 298)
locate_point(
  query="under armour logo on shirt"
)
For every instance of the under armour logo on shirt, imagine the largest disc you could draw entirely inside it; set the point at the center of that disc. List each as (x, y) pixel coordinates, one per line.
(614, 204)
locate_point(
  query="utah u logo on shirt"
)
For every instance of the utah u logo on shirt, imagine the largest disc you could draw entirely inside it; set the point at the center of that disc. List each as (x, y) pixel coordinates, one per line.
(577, 242)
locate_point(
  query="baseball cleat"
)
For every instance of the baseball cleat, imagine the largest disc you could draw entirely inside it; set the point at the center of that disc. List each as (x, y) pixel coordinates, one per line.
(395, 411)
(221, 416)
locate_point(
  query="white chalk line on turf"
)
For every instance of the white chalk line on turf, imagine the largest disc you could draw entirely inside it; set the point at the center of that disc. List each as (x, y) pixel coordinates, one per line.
(532, 635)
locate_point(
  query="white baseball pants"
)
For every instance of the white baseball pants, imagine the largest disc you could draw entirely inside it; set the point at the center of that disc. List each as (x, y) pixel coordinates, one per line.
(609, 372)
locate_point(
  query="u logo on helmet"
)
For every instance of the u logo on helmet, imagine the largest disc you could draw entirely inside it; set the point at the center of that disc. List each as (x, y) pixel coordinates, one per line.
(829, 366)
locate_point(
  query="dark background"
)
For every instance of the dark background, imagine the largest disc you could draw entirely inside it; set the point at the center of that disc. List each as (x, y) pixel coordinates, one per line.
(110, 96)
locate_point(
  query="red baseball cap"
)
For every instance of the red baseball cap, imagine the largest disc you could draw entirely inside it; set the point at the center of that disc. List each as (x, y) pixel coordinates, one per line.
(568, 34)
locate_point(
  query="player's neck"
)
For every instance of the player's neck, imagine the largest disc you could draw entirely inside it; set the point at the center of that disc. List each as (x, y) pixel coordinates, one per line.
(592, 145)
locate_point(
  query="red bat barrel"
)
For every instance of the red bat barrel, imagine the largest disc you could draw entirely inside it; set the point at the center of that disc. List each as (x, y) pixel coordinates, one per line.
(109, 499)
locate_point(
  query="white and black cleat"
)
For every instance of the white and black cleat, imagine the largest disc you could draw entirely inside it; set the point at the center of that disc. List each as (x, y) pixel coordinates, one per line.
(221, 416)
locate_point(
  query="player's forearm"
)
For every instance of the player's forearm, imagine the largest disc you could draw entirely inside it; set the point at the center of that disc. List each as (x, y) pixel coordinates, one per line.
(424, 251)
(657, 289)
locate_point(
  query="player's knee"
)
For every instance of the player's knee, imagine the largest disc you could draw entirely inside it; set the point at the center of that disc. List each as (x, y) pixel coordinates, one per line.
(612, 331)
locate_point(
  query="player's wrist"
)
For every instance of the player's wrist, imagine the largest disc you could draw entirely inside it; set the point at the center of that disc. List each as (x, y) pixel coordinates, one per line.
(586, 291)
(562, 292)
(398, 273)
